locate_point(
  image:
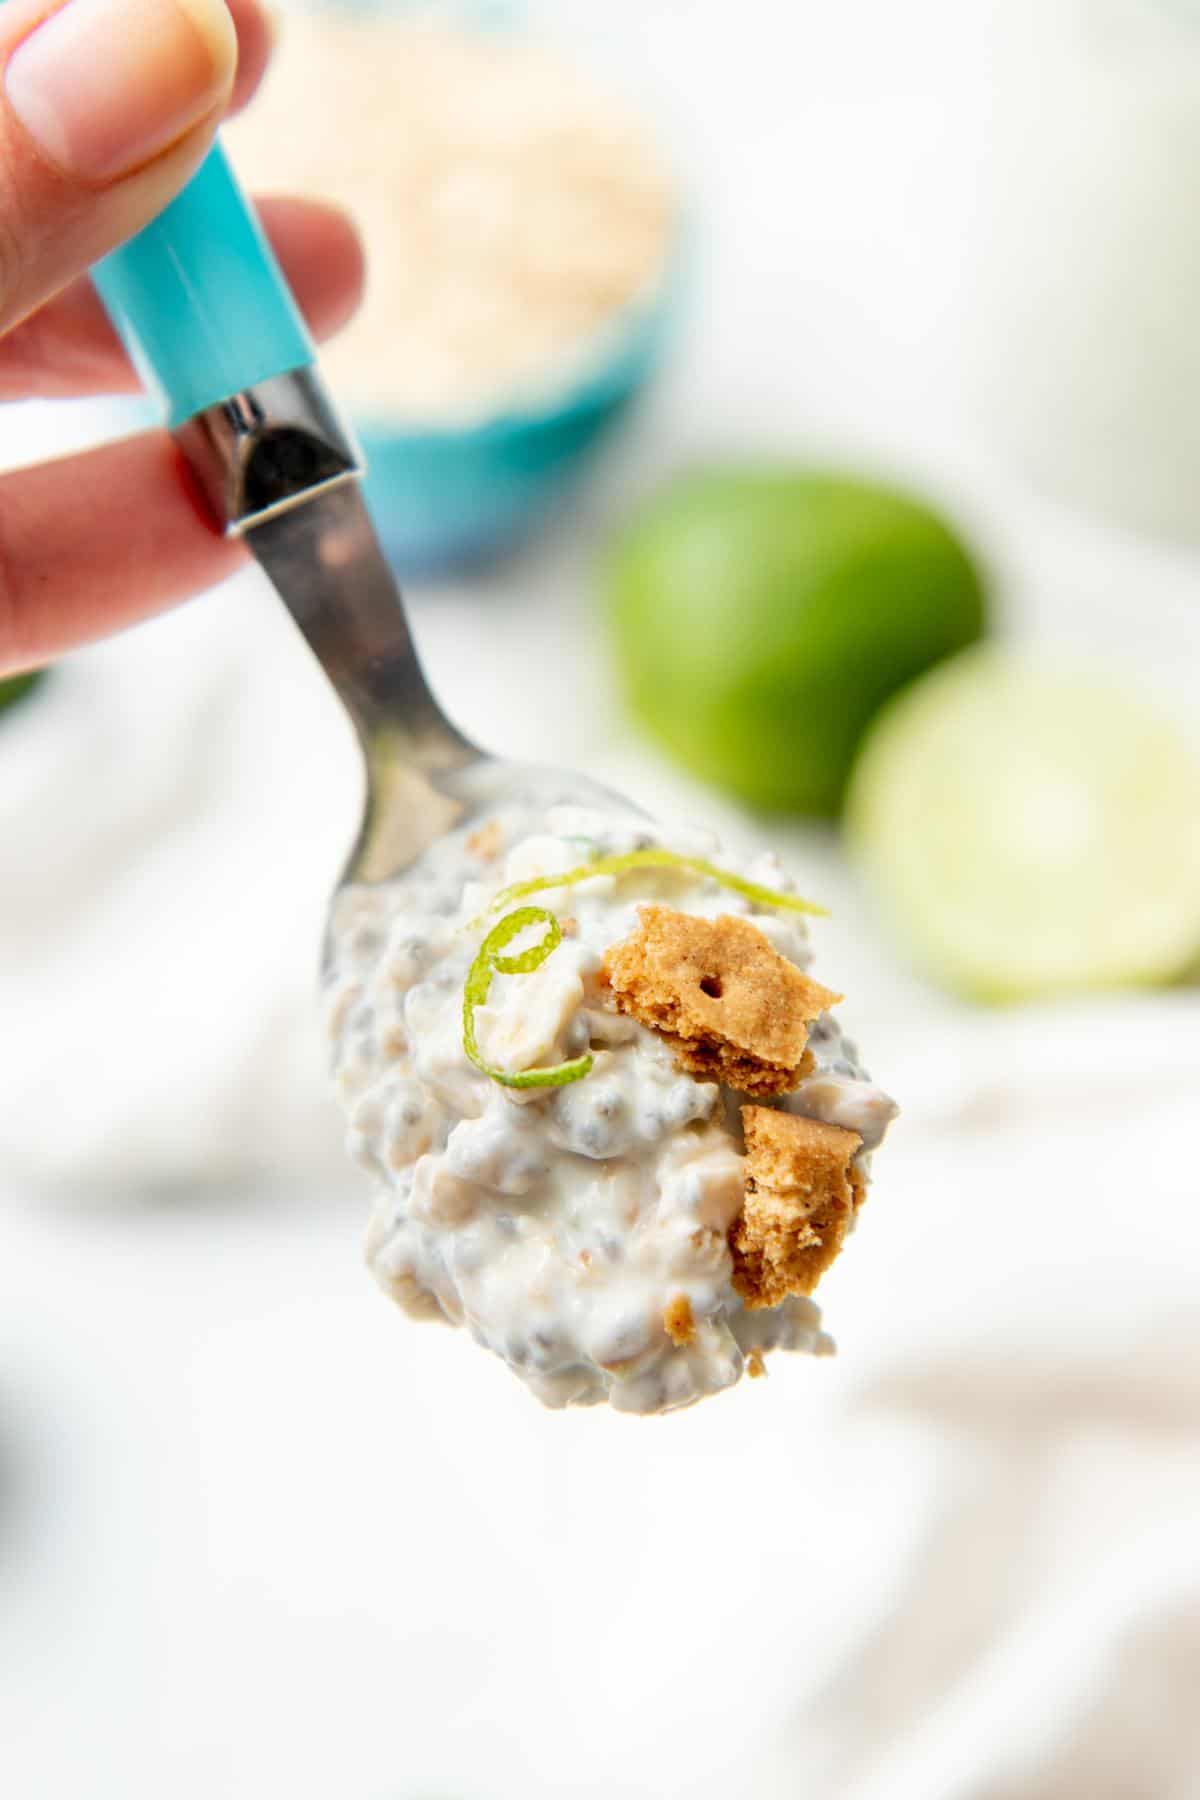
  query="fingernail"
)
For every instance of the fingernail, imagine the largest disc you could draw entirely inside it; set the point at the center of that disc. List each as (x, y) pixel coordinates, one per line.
(103, 86)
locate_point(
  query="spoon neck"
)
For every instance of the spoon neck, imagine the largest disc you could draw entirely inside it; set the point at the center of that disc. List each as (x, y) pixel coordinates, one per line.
(278, 466)
(325, 563)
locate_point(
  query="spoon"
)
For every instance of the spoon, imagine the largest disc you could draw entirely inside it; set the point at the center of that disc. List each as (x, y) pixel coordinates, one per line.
(203, 309)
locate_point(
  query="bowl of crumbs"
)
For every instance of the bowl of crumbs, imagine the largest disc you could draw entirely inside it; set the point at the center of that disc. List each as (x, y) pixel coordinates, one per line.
(522, 232)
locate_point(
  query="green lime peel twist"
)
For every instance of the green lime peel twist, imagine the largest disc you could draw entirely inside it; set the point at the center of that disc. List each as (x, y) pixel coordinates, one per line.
(489, 961)
(658, 859)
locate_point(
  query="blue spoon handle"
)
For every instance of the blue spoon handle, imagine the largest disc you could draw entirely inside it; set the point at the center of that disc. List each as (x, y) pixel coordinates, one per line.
(199, 299)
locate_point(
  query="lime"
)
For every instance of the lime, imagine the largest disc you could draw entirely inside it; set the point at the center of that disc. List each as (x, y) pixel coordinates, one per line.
(15, 687)
(1032, 832)
(762, 616)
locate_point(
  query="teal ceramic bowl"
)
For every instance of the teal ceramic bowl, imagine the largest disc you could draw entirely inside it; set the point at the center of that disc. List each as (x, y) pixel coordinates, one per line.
(445, 499)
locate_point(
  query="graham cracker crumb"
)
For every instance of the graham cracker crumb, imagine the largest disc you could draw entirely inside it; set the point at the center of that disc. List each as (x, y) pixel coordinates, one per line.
(729, 1005)
(756, 1368)
(487, 842)
(569, 926)
(679, 1322)
(801, 1194)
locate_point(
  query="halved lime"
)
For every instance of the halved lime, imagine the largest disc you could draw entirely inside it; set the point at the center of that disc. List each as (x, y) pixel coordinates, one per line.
(1032, 832)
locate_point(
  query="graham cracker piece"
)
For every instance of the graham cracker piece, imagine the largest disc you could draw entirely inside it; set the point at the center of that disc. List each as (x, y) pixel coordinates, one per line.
(719, 993)
(756, 1368)
(679, 1321)
(801, 1195)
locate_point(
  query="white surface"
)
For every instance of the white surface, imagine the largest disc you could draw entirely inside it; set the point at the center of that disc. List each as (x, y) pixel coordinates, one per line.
(260, 1536)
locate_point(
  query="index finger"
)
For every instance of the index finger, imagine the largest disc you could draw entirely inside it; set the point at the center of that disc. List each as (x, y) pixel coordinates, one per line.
(255, 35)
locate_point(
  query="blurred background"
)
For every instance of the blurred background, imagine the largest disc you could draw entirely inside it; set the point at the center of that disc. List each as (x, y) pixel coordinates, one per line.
(722, 372)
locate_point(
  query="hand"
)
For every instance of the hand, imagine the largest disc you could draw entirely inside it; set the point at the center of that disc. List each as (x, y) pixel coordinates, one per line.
(108, 107)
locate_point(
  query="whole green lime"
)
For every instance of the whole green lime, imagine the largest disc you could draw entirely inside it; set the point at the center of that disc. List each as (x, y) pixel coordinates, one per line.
(762, 615)
(15, 687)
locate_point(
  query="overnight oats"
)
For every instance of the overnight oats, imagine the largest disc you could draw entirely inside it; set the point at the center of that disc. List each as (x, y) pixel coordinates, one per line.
(614, 1125)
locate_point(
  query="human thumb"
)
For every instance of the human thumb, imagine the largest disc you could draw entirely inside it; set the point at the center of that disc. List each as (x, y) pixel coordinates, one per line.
(108, 107)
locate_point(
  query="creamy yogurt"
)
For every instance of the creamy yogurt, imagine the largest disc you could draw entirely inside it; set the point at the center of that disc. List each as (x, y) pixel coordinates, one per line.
(558, 1224)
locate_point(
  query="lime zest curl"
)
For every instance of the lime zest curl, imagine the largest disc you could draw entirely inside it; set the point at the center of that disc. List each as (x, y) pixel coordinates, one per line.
(658, 859)
(488, 962)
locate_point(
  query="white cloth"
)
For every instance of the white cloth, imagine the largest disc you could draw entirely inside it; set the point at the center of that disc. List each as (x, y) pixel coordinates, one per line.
(959, 1562)
(173, 809)
(264, 1535)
